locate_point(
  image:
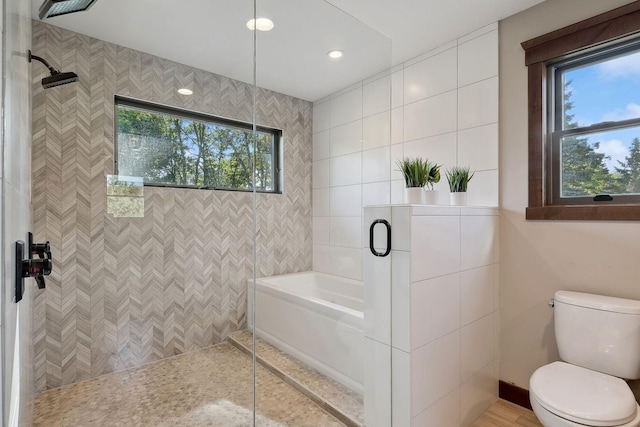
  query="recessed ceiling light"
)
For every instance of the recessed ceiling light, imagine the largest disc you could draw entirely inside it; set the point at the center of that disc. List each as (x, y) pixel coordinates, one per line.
(335, 54)
(262, 24)
(185, 91)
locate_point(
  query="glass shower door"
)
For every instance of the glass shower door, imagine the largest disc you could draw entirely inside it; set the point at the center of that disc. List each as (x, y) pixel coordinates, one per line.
(143, 187)
(322, 79)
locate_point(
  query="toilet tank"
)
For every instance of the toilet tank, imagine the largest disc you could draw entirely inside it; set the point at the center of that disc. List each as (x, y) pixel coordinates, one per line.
(598, 332)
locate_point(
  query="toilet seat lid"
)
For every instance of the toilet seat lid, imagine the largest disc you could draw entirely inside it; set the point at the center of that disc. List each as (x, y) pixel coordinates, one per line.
(582, 395)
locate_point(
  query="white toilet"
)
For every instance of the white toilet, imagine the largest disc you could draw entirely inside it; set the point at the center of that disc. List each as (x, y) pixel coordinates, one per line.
(599, 340)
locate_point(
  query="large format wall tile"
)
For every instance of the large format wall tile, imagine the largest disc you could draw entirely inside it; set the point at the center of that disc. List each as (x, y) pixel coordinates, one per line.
(126, 291)
(442, 105)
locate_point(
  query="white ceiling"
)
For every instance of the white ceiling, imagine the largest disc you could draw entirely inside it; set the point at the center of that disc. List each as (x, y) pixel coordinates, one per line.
(211, 35)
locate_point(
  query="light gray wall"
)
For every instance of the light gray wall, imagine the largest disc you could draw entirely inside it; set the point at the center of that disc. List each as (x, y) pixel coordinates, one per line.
(540, 257)
(127, 291)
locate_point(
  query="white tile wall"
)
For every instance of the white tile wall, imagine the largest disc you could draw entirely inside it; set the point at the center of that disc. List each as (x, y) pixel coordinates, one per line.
(346, 107)
(445, 412)
(401, 387)
(480, 234)
(435, 371)
(322, 259)
(477, 148)
(432, 116)
(435, 246)
(346, 170)
(478, 59)
(477, 346)
(346, 201)
(321, 144)
(478, 393)
(377, 193)
(320, 202)
(321, 227)
(430, 77)
(377, 384)
(483, 190)
(346, 139)
(442, 105)
(321, 117)
(397, 87)
(346, 231)
(321, 177)
(401, 301)
(434, 297)
(346, 262)
(397, 128)
(376, 165)
(435, 309)
(375, 97)
(477, 289)
(478, 103)
(377, 131)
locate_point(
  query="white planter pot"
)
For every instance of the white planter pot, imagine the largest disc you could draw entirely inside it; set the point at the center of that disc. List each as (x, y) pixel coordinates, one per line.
(414, 195)
(430, 197)
(458, 199)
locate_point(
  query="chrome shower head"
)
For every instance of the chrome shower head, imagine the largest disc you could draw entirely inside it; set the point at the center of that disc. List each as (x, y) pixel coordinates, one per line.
(51, 8)
(56, 78)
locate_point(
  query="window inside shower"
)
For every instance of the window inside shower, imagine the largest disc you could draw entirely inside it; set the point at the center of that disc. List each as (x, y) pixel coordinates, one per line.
(179, 148)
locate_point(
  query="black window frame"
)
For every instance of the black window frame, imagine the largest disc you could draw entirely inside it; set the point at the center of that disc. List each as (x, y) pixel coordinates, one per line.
(156, 108)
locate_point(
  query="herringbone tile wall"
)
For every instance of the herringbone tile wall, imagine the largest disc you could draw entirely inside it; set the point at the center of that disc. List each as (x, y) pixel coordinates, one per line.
(126, 291)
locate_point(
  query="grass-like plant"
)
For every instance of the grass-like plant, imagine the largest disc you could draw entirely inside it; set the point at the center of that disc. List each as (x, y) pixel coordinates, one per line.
(419, 172)
(459, 178)
(433, 174)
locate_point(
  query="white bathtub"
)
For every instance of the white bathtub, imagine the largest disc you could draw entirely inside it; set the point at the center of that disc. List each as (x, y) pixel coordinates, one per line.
(315, 317)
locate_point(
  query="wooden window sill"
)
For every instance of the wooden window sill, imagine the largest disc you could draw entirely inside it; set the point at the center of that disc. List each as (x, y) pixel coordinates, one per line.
(585, 213)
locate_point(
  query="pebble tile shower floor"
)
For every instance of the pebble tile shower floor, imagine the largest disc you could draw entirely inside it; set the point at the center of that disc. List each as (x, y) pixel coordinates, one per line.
(210, 387)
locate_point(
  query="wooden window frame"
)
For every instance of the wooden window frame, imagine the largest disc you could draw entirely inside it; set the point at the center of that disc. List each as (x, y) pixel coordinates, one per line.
(607, 27)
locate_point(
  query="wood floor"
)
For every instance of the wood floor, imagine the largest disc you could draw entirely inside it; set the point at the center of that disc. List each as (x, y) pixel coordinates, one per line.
(505, 414)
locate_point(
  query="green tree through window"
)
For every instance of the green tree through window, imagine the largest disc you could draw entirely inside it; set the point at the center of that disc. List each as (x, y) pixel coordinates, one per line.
(167, 148)
(584, 172)
(584, 169)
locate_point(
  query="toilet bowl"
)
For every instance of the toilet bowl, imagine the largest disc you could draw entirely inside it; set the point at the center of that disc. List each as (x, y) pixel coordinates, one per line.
(564, 395)
(598, 339)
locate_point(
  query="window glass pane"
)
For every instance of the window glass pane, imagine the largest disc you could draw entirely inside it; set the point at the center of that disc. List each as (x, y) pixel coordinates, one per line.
(601, 163)
(169, 149)
(603, 91)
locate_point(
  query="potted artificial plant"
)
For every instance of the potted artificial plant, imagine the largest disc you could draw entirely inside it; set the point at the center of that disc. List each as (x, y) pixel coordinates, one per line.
(433, 177)
(417, 173)
(458, 178)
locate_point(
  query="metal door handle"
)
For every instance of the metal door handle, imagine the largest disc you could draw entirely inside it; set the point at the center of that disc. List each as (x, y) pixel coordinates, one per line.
(373, 250)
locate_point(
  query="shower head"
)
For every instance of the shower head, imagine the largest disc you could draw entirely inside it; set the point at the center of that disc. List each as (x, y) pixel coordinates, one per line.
(51, 8)
(59, 79)
(56, 78)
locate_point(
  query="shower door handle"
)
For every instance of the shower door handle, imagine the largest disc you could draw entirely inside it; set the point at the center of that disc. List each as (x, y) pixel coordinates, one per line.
(388, 226)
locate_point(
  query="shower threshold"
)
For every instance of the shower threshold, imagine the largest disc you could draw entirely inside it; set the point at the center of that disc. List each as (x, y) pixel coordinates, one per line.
(344, 404)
